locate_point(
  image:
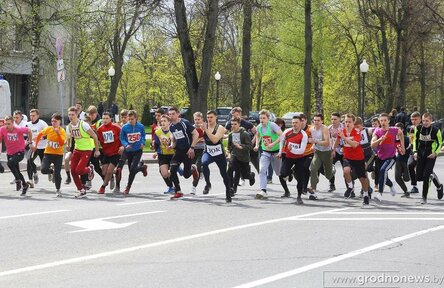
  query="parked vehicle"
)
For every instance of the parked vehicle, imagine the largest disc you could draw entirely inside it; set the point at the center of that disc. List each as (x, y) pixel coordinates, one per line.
(368, 121)
(288, 117)
(223, 115)
(253, 117)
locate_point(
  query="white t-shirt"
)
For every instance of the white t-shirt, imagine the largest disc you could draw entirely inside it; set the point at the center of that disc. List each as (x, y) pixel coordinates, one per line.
(35, 129)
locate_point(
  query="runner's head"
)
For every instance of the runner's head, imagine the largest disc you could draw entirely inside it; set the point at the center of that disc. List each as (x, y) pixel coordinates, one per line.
(34, 115)
(375, 122)
(73, 114)
(415, 118)
(264, 116)
(79, 106)
(132, 117)
(384, 120)
(198, 119)
(318, 120)
(106, 118)
(281, 123)
(296, 122)
(235, 123)
(9, 123)
(236, 112)
(303, 120)
(400, 126)
(124, 116)
(17, 116)
(211, 117)
(56, 119)
(159, 112)
(335, 119)
(92, 112)
(165, 122)
(173, 112)
(427, 119)
(358, 123)
(349, 121)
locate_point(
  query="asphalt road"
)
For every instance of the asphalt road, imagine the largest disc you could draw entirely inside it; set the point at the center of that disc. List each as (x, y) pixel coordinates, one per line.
(147, 240)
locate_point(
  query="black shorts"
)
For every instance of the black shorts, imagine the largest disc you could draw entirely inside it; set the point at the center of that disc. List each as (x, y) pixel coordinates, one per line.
(164, 159)
(357, 166)
(114, 159)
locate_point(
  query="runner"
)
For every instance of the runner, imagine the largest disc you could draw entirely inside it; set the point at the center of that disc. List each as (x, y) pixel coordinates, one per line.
(239, 146)
(292, 147)
(308, 157)
(132, 137)
(320, 137)
(384, 139)
(214, 152)
(96, 122)
(334, 129)
(353, 157)
(36, 125)
(427, 145)
(401, 169)
(85, 141)
(268, 137)
(55, 139)
(21, 121)
(15, 150)
(415, 119)
(108, 135)
(164, 154)
(369, 155)
(198, 149)
(79, 111)
(122, 160)
(184, 141)
(156, 124)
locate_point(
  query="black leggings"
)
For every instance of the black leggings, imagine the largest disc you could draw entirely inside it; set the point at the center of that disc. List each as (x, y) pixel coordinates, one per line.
(31, 168)
(180, 156)
(296, 166)
(198, 161)
(424, 171)
(57, 161)
(221, 162)
(238, 168)
(134, 165)
(13, 164)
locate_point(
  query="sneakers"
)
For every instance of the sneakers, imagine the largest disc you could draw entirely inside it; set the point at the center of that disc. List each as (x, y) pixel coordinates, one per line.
(313, 196)
(228, 200)
(262, 195)
(91, 172)
(177, 195)
(253, 180)
(193, 190)
(30, 183)
(12, 182)
(126, 191)
(423, 201)
(366, 200)
(378, 197)
(58, 193)
(406, 195)
(88, 185)
(348, 192)
(232, 192)
(414, 190)
(50, 177)
(145, 170)
(112, 183)
(286, 195)
(116, 190)
(170, 190)
(332, 188)
(36, 179)
(440, 192)
(290, 177)
(18, 185)
(101, 190)
(393, 191)
(299, 201)
(180, 170)
(207, 189)
(195, 173)
(2, 169)
(270, 181)
(24, 190)
(241, 182)
(81, 194)
(68, 181)
(352, 194)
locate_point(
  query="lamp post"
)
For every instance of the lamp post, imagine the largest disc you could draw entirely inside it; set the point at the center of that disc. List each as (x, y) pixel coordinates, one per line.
(111, 73)
(364, 69)
(217, 77)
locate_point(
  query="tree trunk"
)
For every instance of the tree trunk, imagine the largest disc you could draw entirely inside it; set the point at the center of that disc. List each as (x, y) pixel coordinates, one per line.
(441, 86)
(403, 72)
(36, 32)
(387, 70)
(308, 59)
(246, 58)
(319, 89)
(422, 77)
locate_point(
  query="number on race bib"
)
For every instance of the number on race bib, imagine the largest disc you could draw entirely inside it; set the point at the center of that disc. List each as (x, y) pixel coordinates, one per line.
(52, 144)
(75, 132)
(214, 150)
(178, 134)
(12, 137)
(267, 140)
(133, 137)
(108, 137)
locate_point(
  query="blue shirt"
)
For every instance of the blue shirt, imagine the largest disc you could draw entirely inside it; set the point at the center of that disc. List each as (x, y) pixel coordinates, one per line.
(132, 135)
(183, 134)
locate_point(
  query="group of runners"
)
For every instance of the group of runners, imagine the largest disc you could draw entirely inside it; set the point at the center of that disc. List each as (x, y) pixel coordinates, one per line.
(93, 144)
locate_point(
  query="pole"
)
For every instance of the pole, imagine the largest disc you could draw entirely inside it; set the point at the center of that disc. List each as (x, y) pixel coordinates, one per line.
(217, 93)
(363, 97)
(62, 109)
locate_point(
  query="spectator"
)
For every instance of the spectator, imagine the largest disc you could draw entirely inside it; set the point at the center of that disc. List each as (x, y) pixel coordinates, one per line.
(100, 109)
(392, 116)
(114, 109)
(401, 117)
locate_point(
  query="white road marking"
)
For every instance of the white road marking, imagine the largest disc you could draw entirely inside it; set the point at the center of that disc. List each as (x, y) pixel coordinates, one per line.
(332, 260)
(155, 244)
(32, 214)
(140, 202)
(373, 219)
(165, 200)
(101, 224)
(387, 213)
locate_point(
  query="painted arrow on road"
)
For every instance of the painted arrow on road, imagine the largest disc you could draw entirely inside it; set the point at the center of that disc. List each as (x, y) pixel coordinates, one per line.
(102, 224)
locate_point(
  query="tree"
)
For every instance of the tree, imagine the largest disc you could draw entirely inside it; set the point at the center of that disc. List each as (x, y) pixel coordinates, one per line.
(308, 59)
(246, 57)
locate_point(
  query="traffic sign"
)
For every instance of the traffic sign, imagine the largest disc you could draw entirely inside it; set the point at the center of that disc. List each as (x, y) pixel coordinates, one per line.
(60, 65)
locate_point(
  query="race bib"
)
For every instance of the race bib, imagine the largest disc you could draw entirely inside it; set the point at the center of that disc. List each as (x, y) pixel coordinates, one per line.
(214, 150)
(294, 147)
(75, 132)
(133, 137)
(346, 143)
(166, 141)
(52, 144)
(425, 138)
(267, 140)
(178, 134)
(108, 137)
(12, 137)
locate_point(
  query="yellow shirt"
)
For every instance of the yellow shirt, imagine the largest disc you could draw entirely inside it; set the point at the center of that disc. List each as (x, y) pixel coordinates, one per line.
(54, 142)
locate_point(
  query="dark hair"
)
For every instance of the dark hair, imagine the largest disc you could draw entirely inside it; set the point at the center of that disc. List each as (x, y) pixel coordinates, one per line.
(280, 121)
(17, 112)
(56, 116)
(303, 116)
(212, 112)
(166, 117)
(349, 115)
(236, 109)
(72, 109)
(297, 117)
(106, 113)
(236, 119)
(319, 115)
(375, 119)
(160, 111)
(174, 109)
(399, 125)
(336, 114)
(383, 115)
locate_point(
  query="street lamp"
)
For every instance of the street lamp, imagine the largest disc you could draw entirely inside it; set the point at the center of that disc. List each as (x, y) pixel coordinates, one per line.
(364, 69)
(217, 77)
(111, 73)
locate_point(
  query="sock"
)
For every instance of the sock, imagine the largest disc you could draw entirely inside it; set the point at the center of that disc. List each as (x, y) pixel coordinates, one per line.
(68, 174)
(350, 185)
(365, 193)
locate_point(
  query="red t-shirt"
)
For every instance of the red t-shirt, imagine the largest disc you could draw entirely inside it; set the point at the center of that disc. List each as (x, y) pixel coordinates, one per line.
(109, 138)
(295, 144)
(351, 153)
